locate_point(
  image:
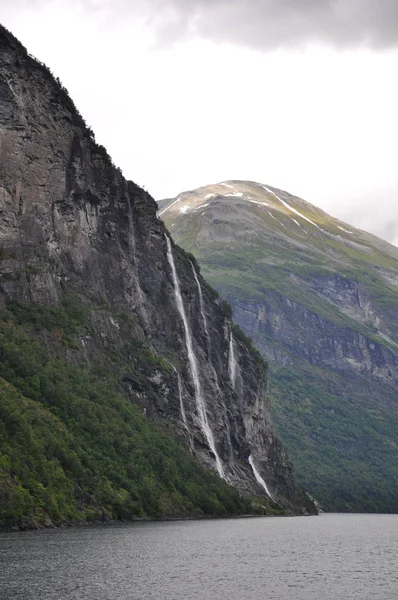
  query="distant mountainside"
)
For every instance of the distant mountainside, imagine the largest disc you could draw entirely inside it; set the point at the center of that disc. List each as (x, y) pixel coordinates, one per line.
(320, 300)
(116, 394)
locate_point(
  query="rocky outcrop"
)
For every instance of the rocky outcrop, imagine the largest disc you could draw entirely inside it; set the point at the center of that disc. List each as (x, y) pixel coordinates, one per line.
(305, 335)
(72, 226)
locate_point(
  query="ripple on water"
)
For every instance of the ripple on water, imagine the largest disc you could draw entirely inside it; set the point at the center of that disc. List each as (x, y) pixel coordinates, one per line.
(331, 557)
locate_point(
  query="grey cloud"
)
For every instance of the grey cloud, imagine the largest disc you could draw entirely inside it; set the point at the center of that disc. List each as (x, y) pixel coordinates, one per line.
(265, 24)
(260, 24)
(375, 212)
(386, 229)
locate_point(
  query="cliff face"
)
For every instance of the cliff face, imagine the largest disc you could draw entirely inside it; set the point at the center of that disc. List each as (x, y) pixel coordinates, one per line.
(318, 297)
(73, 228)
(301, 334)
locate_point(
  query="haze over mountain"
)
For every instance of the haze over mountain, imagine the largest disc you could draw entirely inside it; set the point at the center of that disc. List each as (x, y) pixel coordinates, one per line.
(319, 298)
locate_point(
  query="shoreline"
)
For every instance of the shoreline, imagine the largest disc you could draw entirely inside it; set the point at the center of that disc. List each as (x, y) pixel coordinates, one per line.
(70, 524)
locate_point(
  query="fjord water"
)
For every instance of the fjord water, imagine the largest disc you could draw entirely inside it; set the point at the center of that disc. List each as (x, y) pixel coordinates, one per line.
(333, 557)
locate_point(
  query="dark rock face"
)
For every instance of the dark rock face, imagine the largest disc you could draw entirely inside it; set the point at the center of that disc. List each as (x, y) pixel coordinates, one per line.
(317, 340)
(72, 225)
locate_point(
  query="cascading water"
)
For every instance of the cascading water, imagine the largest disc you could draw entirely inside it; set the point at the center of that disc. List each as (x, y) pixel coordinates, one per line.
(200, 403)
(235, 374)
(141, 299)
(206, 329)
(227, 424)
(202, 312)
(232, 366)
(182, 408)
(258, 477)
(136, 266)
(229, 438)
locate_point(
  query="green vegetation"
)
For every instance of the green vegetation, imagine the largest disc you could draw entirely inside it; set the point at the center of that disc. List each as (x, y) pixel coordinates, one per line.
(344, 453)
(66, 318)
(240, 335)
(211, 291)
(73, 446)
(188, 256)
(226, 309)
(340, 285)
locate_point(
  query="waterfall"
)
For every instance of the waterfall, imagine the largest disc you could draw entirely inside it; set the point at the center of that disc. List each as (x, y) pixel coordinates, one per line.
(232, 361)
(206, 329)
(182, 411)
(227, 425)
(182, 408)
(202, 312)
(228, 428)
(193, 363)
(258, 477)
(140, 293)
(141, 300)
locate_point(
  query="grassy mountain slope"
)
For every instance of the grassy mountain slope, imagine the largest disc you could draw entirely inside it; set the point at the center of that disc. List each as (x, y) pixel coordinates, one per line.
(73, 447)
(319, 298)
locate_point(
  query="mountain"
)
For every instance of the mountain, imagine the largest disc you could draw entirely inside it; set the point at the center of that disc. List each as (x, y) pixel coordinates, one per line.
(116, 398)
(319, 298)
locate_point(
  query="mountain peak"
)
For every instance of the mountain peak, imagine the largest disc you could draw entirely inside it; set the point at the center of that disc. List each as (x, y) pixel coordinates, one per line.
(263, 208)
(273, 200)
(319, 298)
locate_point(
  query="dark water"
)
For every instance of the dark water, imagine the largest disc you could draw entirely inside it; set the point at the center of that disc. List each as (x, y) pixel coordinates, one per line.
(330, 557)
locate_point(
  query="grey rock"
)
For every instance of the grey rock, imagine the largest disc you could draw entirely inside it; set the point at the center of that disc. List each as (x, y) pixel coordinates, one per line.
(70, 224)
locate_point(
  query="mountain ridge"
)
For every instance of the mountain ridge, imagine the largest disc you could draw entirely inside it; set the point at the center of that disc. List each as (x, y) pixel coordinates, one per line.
(318, 297)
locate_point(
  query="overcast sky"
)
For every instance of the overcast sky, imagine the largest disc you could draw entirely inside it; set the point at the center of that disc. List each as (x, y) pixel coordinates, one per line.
(298, 94)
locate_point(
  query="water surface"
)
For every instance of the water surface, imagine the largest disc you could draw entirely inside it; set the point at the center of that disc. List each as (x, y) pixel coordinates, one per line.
(331, 557)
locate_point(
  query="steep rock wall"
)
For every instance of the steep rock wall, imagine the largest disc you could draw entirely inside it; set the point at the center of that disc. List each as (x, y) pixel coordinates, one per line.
(72, 226)
(300, 335)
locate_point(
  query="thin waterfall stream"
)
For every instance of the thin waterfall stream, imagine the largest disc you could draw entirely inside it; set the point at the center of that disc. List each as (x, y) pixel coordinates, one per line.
(137, 271)
(193, 363)
(233, 372)
(182, 407)
(206, 329)
(232, 361)
(202, 311)
(258, 477)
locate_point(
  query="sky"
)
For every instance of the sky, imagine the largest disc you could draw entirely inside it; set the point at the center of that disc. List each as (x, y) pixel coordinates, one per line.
(297, 94)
